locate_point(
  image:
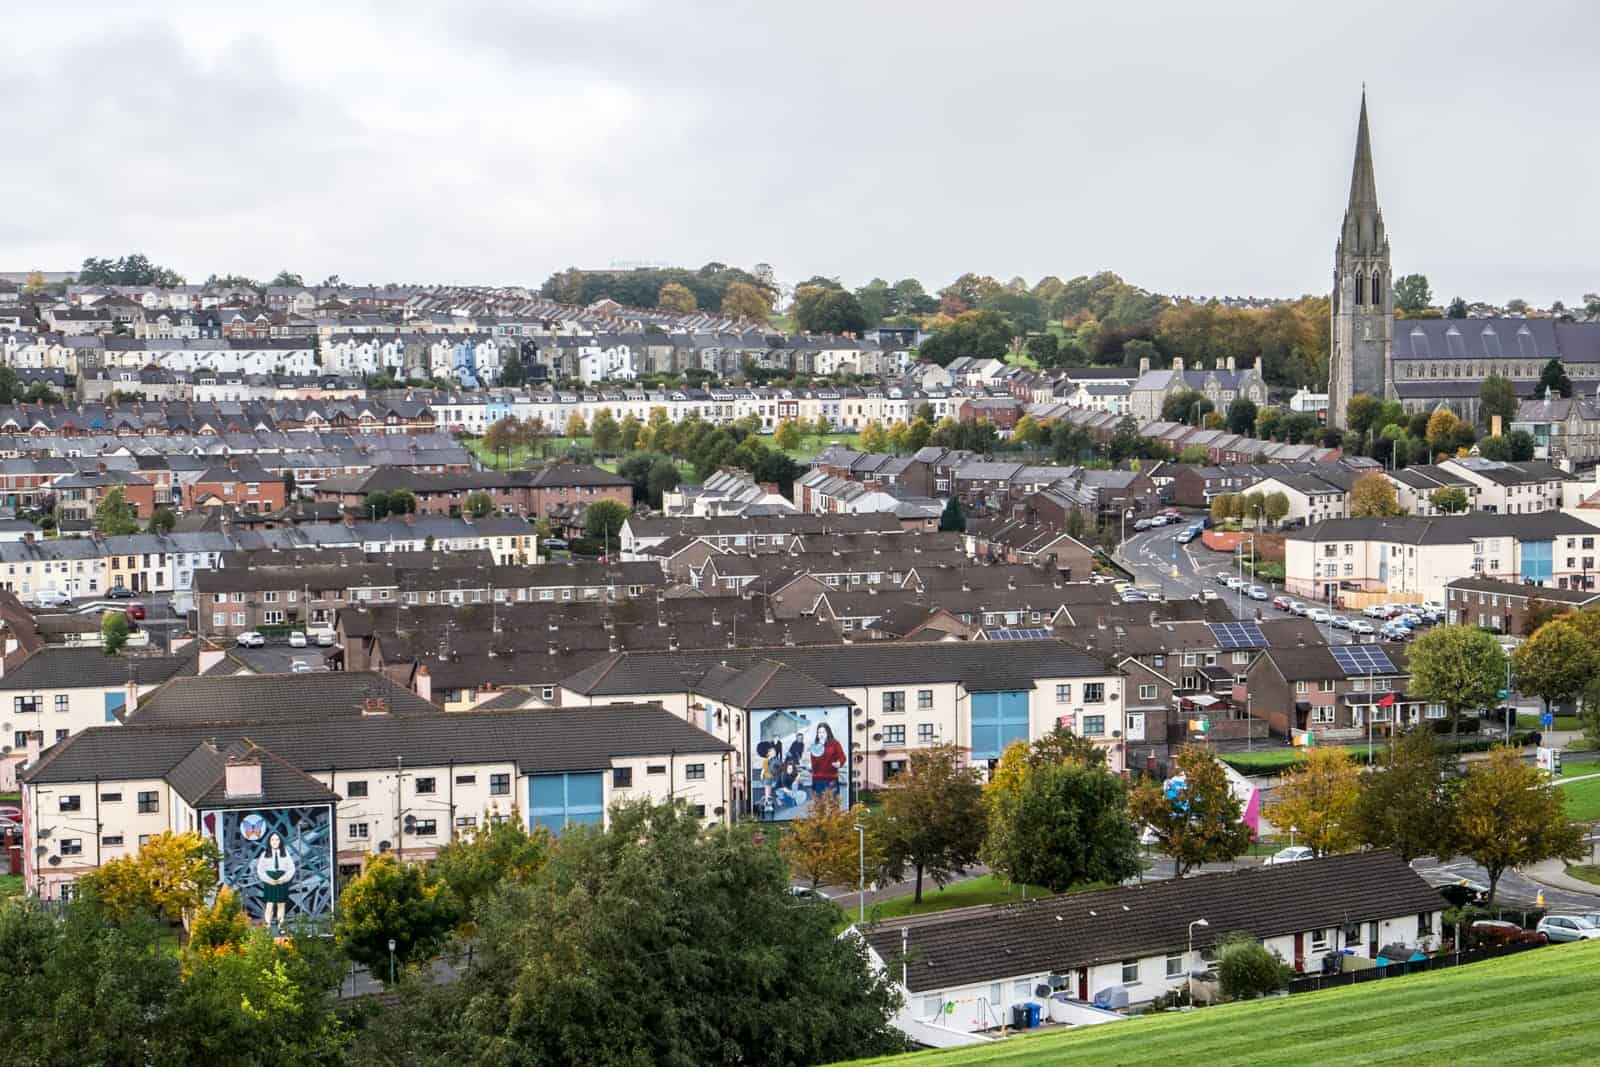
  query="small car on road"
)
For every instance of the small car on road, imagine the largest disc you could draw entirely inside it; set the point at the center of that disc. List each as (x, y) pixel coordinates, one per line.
(251, 639)
(1255, 592)
(1568, 928)
(1292, 854)
(1320, 616)
(297, 639)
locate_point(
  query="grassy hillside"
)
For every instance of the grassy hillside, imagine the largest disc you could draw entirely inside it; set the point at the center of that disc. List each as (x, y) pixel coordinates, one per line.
(1531, 1008)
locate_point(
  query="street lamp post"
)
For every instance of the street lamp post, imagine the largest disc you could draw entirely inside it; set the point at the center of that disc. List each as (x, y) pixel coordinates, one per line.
(1197, 922)
(391, 959)
(1122, 541)
(861, 877)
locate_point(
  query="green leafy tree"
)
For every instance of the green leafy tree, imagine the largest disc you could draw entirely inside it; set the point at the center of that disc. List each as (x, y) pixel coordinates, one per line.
(1497, 396)
(1361, 413)
(1493, 447)
(932, 822)
(397, 901)
(1226, 506)
(1412, 294)
(1205, 824)
(1277, 506)
(1247, 969)
(221, 926)
(824, 847)
(1242, 416)
(1458, 666)
(953, 519)
(979, 334)
(287, 278)
(501, 437)
(1044, 349)
(589, 965)
(500, 852)
(1554, 378)
(1556, 663)
(1373, 496)
(663, 478)
(1186, 405)
(114, 628)
(1519, 446)
(1318, 797)
(821, 309)
(675, 297)
(1510, 814)
(605, 431)
(628, 432)
(375, 505)
(162, 520)
(603, 520)
(742, 300)
(116, 516)
(1450, 500)
(788, 435)
(1068, 825)
(402, 502)
(1407, 803)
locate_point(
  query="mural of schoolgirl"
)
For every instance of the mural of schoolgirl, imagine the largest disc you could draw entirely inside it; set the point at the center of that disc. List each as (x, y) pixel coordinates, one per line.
(275, 870)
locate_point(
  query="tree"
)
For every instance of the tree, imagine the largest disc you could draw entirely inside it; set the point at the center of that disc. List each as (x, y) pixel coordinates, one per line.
(502, 436)
(603, 520)
(818, 309)
(1044, 349)
(606, 432)
(873, 439)
(375, 505)
(287, 278)
(1450, 500)
(114, 628)
(1519, 446)
(953, 519)
(1457, 666)
(169, 878)
(788, 435)
(1407, 803)
(1255, 506)
(162, 520)
(979, 334)
(824, 847)
(1510, 814)
(475, 865)
(1225, 506)
(1457, 309)
(1373, 496)
(1497, 396)
(393, 901)
(1361, 413)
(221, 926)
(628, 432)
(742, 300)
(576, 427)
(1443, 425)
(1412, 293)
(1318, 798)
(662, 479)
(675, 297)
(933, 820)
(1247, 969)
(1242, 416)
(1277, 506)
(115, 516)
(1185, 405)
(589, 964)
(478, 504)
(1066, 824)
(1493, 447)
(1556, 663)
(1554, 378)
(402, 502)
(1195, 817)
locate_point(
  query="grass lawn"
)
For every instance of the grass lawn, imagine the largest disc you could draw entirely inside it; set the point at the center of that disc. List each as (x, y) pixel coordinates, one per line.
(1531, 1008)
(1584, 872)
(985, 890)
(10, 885)
(1527, 721)
(1280, 758)
(518, 457)
(1583, 800)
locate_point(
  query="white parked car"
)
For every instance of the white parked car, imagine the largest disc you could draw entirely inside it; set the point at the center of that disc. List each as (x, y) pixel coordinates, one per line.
(1376, 611)
(1255, 592)
(251, 639)
(1568, 928)
(1320, 616)
(1292, 854)
(324, 637)
(50, 598)
(297, 639)
(1362, 626)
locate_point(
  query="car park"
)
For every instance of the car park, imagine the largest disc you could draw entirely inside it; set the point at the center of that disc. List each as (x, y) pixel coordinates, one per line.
(1281, 603)
(297, 639)
(1255, 592)
(1320, 616)
(1394, 632)
(251, 639)
(1410, 619)
(1339, 622)
(1375, 611)
(1362, 627)
(1567, 928)
(324, 637)
(1292, 854)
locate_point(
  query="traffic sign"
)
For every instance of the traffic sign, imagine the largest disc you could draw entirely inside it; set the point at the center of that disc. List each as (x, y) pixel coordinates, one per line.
(1503, 693)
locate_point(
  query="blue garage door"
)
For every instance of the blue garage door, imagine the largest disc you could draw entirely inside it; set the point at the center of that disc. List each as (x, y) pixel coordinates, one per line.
(997, 720)
(556, 801)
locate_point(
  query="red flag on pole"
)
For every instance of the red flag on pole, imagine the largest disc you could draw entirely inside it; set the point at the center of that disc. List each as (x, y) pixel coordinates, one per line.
(1387, 701)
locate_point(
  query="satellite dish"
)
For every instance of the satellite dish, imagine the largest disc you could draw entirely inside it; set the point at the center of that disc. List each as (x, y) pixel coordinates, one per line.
(411, 822)
(55, 861)
(1041, 990)
(44, 832)
(383, 846)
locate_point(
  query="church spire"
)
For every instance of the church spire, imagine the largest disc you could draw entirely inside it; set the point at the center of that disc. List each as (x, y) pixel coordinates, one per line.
(1363, 184)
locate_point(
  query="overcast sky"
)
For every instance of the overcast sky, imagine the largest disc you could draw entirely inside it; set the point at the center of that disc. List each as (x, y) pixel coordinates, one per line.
(1192, 148)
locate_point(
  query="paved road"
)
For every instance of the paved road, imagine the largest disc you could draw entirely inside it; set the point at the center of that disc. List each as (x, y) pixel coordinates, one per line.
(1514, 888)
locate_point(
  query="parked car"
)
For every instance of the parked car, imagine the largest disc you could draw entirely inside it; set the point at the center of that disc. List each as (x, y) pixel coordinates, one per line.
(251, 639)
(1375, 611)
(1460, 894)
(1158, 520)
(1339, 622)
(10, 826)
(1204, 595)
(1567, 928)
(556, 544)
(10, 811)
(1233, 582)
(297, 639)
(1501, 932)
(1141, 524)
(1297, 608)
(1255, 592)
(119, 592)
(50, 598)
(1394, 631)
(1320, 616)
(1188, 534)
(299, 666)
(1281, 603)
(1411, 619)
(1292, 854)
(1362, 627)
(1221, 577)
(136, 610)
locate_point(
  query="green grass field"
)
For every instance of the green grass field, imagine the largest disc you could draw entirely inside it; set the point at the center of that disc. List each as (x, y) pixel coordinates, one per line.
(10, 885)
(1583, 800)
(1585, 872)
(1531, 1008)
(1527, 721)
(985, 890)
(1280, 758)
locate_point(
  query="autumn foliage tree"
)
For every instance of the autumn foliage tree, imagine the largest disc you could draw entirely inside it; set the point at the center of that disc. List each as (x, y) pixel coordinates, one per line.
(932, 821)
(1318, 798)
(1203, 822)
(1373, 496)
(1509, 813)
(170, 877)
(824, 848)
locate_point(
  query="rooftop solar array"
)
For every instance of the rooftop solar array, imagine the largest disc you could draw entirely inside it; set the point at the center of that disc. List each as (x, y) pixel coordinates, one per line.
(1238, 635)
(1362, 659)
(1037, 634)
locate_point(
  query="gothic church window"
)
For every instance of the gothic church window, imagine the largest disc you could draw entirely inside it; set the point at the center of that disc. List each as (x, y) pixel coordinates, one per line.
(1360, 297)
(1377, 287)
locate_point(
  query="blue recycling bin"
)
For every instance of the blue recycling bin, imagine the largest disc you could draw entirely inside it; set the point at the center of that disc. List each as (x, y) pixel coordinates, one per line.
(1033, 1014)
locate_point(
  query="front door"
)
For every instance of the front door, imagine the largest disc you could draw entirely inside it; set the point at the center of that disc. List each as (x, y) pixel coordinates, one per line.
(1083, 985)
(1300, 952)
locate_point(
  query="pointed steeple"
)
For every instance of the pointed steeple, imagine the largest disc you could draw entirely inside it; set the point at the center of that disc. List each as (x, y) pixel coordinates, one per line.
(1363, 184)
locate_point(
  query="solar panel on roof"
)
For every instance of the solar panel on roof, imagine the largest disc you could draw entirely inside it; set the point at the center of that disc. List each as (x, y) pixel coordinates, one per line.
(1362, 659)
(1033, 634)
(1238, 635)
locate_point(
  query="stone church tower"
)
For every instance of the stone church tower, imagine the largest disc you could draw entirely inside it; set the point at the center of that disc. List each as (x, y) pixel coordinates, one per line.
(1363, 298)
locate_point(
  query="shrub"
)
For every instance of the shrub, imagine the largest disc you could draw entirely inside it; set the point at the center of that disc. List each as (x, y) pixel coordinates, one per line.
(1246, 969)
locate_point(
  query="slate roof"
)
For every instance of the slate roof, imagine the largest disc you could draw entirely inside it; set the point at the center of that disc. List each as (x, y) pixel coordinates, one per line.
(336, 694)
(1445, 530)
(1531, 592)
(1054, 934)
(767, 684)
(88, 668)
(201, 777)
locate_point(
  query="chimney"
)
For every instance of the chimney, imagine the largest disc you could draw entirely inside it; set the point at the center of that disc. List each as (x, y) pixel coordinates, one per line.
(1144, 365)
(1177, 363)
(210, 656)
(35, 745)
(425, 683)
(1230, 363)
(242, 776)
(374, 704)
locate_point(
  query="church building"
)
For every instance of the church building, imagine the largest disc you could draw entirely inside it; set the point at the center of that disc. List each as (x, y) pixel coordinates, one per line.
(1427, 364)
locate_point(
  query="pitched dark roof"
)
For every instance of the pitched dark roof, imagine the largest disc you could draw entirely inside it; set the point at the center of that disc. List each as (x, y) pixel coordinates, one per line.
(201, 778)
(1060, 933)
(1445, 530)
(767, 684)
(1531, 592)
(87, 668)
(258, 698)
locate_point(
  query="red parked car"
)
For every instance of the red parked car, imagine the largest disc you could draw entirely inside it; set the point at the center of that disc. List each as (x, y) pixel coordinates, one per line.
(136, 610)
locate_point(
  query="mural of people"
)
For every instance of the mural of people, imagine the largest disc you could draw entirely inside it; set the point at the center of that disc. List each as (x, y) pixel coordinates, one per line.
(275, 869)
(797, 755)
(827, 759)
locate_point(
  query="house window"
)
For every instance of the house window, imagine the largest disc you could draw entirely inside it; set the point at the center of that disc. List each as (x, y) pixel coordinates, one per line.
(72, 846)
(62, 702)
(1063, 694)
(425, 827)
(219, 618)
(694, 772)
(1424, 923)
(1175, 965)
(1130, 972)
(111, 840)
(655, 768)
(27, 704)
(1094, 692)
(622, 777)
(359, 831)
(1322, 716)
(1094, 725)
(110, 798)
(925, 732)
(1191, 659)
(427, 785)
(894, 703)
(499, 785)
(149, 803)
(1325, 685)
(924, 699)
(466, 822)
(894, 735)
(71, 802)
(1147, 692)
(1302, 686)
(355, 789)
(1352, 934)
(1319, 940)
(466, 779)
